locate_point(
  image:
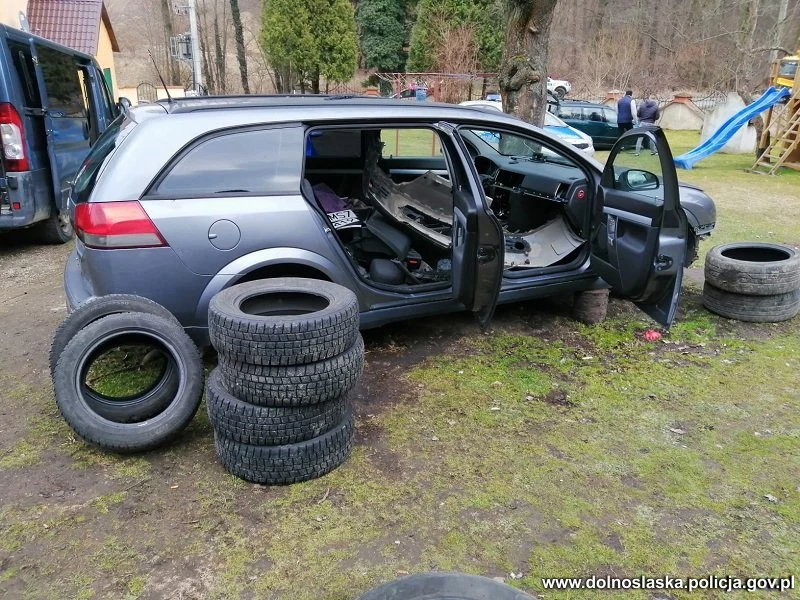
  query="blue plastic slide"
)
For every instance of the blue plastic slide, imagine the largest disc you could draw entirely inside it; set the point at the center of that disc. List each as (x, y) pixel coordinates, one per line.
(721, 136)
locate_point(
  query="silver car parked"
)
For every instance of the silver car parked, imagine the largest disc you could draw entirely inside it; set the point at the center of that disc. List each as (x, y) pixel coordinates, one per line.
(419, 208)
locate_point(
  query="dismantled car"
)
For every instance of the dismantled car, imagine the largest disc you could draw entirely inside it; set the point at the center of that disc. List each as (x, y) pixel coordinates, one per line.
(418, 208)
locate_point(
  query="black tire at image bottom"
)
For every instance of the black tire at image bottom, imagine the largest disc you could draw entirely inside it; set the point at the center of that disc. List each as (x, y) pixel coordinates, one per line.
(290, 463)
(755, 309)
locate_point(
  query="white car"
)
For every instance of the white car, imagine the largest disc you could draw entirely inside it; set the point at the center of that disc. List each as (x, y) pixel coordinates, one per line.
(559, 87)
(552, 125)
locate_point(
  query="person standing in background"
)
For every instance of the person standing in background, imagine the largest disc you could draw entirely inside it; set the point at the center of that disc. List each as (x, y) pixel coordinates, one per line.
(626, 112)
(648, 115)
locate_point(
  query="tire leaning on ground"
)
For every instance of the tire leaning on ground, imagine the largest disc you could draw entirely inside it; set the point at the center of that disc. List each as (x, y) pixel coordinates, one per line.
(294, 385)
(756, 269)
(289, 463)
(134, 423)
(268, 426)
(756, 309)
(445, 586)
(96, 308)
(283, 321)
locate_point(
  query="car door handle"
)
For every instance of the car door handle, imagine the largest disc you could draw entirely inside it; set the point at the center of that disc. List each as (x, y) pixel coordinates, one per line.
(212, 236)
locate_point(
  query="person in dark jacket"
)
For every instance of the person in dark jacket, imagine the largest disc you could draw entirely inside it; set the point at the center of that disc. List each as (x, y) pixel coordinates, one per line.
(626, 112)
(648, 115)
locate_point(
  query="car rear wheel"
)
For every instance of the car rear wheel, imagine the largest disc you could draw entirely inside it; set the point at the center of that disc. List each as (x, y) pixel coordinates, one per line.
(560, 92)
(56, 229)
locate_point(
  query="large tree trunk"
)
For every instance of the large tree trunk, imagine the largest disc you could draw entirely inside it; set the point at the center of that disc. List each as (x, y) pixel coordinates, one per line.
(241, 57)
(523, 72)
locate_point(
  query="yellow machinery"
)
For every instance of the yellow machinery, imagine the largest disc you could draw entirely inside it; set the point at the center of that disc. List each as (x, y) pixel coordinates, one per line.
(782, 144)
(787, 70)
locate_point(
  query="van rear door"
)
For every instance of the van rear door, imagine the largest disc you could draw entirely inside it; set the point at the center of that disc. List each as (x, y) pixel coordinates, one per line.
(63, 87)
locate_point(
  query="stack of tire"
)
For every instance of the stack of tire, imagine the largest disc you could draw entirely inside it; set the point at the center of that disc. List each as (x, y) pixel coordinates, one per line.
(750, 281)
(289, 352)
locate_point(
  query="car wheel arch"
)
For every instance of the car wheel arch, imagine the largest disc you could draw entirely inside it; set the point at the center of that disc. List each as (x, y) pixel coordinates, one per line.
(266, 261)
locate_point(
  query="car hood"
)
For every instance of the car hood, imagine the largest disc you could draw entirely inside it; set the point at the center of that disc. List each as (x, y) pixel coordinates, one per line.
(568, 134)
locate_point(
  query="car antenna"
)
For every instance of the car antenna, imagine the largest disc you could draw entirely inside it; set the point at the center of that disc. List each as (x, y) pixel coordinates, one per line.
(164, 83)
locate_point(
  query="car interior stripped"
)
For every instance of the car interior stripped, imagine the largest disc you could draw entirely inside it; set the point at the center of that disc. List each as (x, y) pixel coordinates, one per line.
(392, 208)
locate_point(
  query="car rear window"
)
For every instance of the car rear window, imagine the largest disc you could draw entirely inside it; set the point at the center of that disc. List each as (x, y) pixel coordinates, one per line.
(90, 169)
(266, 161)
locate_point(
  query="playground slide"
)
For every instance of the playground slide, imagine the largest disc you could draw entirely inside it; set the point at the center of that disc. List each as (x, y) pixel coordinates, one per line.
(721, 136)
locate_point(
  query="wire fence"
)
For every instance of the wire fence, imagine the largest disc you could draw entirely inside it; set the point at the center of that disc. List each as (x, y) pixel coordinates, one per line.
(706, 103)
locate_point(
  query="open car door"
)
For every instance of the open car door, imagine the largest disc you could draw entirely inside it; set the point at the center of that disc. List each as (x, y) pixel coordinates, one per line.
(639, 230)
(478, 242)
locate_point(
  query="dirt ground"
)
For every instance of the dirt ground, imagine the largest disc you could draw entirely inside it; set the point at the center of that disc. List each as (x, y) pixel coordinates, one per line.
(501, 454)
(52, 478)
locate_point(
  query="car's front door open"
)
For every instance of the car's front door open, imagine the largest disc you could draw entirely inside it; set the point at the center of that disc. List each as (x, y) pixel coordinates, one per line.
(477, 237)
(639, 230)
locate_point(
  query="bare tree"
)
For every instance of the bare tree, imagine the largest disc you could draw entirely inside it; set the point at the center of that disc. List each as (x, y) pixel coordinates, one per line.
(241, 57)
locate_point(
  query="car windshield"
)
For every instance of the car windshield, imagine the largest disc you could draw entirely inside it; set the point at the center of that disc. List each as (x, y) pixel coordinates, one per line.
(550, 120)
(508, 144)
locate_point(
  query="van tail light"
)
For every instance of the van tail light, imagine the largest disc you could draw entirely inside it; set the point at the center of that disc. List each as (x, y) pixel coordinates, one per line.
(109, 225)
(12, 136)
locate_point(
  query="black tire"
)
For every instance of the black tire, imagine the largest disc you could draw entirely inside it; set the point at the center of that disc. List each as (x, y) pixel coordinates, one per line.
(85, 410)
(283, 321)
(757, 309)
(56, 229)
(289, 463)
(294, 385)
(96, 308)
(268, 426)
(752, 268)
(560, 92)
(590, 306)
(445, 586)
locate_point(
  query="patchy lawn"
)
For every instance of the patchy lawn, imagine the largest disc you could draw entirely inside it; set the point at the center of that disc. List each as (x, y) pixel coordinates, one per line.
(541, 447)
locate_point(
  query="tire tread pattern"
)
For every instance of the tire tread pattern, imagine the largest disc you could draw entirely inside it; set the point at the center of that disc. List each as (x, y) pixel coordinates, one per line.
(290, 463)
(266, 426)
(756, 309)
(751, 277)
(294, 385)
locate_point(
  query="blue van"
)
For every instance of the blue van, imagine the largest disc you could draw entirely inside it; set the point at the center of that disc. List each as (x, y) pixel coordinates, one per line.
(54, 104)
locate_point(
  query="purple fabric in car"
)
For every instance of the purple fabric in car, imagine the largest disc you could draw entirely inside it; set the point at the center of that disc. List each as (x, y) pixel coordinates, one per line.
(328, 199)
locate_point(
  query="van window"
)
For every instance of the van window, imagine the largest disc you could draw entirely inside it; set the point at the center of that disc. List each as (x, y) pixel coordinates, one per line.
(246, 162)
(62, 82)
(23, 65)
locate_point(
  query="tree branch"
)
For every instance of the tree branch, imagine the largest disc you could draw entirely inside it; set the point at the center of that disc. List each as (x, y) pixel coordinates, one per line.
(771, 48)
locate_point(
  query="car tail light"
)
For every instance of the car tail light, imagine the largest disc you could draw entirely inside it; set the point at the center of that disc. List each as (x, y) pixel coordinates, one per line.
(116, 225)
(12, 136)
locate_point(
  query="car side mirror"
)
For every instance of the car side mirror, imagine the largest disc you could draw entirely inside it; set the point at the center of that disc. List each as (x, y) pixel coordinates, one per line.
(636, 180)
(123, 103)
